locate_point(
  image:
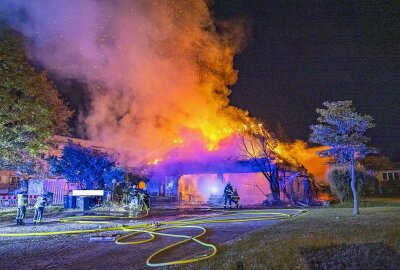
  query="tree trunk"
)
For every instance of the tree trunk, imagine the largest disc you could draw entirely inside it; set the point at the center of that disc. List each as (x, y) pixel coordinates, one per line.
(353, 185)
(276, 192)
(274, 186)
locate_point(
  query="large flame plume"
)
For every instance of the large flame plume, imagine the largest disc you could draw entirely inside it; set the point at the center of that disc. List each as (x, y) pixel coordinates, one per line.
(158, 71)
(307, 157)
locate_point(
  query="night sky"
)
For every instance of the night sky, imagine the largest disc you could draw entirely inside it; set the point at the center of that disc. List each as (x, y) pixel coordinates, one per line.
(300, 54)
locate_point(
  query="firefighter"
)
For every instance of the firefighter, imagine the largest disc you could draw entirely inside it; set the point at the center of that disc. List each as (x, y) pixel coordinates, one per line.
(22, 204)
(145, 199)
(236, 198)
(134, 202)
(41, 202)
(228, 195)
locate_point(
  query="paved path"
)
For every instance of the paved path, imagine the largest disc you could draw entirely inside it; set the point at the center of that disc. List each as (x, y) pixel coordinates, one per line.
(77, 252)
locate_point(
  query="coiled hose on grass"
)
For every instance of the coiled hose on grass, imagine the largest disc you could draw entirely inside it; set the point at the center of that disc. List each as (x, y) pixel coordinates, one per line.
(152, 230)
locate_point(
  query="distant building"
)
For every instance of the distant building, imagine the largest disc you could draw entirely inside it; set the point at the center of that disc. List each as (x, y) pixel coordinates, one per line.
(388, 181)
(57, 144)
(8, 181)
(388, 176)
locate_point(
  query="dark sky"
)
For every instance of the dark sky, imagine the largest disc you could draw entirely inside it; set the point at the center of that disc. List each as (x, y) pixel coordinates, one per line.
(302, 53)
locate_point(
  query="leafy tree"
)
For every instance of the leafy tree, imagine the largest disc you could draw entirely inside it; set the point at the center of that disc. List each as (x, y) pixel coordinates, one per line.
(342, 130)
(31, 110)
(88, 167)
(377, 163)
(116, 172)
(339, 179)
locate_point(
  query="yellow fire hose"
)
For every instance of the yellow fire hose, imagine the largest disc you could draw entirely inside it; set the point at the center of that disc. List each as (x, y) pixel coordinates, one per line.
(152, 231)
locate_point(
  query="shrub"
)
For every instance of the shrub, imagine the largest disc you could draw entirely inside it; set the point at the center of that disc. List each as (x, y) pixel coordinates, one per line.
(339, 179)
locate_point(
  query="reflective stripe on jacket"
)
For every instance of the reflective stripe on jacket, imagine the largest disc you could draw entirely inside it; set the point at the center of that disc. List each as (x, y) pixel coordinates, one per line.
(235, 195)
(41, 202)
(22, 200)
(228, 190)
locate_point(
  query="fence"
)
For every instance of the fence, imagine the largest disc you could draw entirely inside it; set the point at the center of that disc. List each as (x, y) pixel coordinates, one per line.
(13, 200)
(58, 187)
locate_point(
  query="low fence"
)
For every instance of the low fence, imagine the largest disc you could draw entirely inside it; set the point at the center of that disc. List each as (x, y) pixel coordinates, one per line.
(59, 188)
(13, 200)
(56, 187)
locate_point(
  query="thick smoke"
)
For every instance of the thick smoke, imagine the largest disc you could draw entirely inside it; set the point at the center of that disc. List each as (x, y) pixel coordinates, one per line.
(158, 70)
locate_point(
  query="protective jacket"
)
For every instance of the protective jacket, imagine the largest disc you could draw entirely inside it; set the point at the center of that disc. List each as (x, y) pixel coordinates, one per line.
(21, 209)
(41, 202)
(145, 198)
(235, 196)
(228, 191)
(22, 200)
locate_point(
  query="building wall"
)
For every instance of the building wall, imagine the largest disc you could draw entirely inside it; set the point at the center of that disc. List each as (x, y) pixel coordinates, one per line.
(199, 187)
(8, 181)
(388, 175)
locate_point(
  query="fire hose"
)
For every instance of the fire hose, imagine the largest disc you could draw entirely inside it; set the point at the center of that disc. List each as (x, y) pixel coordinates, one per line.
(153, 230)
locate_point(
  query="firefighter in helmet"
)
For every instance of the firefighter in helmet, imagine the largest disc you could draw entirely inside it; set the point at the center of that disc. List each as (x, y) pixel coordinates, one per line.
(22, 204)
(41, 202)
(145, 198)
(228, 195)
(133, 201)
(236, 198)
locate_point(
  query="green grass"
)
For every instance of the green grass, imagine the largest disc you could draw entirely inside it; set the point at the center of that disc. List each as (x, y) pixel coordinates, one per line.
(370, 202)
(10, 213)
(332, 236)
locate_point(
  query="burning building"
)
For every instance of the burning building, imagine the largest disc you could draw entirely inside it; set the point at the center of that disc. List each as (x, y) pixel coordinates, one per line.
(158, 74)
(201, 183)
(254, 175)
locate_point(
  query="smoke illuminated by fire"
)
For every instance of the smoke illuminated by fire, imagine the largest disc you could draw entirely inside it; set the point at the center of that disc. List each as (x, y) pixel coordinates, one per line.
(158, 71)
(308, 157)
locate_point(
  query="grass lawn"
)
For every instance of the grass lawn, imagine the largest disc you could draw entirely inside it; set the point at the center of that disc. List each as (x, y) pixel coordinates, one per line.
(10, 213)
(330, 238)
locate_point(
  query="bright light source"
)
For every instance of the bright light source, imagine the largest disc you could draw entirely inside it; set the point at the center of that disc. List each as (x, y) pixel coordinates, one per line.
(214, 190)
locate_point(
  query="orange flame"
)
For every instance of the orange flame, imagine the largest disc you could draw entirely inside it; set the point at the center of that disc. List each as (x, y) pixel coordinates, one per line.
(307, 156)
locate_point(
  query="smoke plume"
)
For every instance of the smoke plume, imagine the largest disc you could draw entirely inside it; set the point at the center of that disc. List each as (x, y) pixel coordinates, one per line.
(158, 71)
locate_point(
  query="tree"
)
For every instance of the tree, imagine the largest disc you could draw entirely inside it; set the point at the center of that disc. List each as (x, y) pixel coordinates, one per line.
(258, 145)
(88, 167)
(339, 176)
(377, 163)
(342, 130)
(31, 110)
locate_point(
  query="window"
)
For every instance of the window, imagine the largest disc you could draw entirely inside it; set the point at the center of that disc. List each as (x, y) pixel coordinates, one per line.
(385, 177)
(396, 176)
(14, 179)
(390, 176)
